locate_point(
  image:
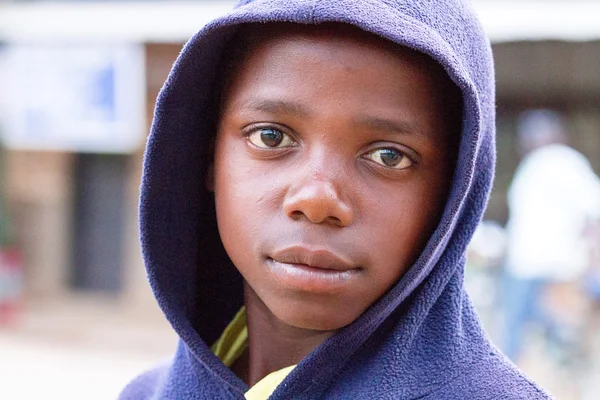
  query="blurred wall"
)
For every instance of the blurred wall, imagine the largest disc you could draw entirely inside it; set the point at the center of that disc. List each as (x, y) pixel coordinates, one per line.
(38, 191)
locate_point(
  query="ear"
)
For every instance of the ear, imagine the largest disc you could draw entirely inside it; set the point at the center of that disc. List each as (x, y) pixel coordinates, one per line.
(209, 177)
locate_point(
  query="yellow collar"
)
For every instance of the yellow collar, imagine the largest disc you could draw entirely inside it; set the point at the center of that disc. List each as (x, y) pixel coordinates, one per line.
(233, 343)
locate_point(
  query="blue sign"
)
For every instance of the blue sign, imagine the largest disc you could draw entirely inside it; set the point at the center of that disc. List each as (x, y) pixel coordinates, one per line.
(73, 98)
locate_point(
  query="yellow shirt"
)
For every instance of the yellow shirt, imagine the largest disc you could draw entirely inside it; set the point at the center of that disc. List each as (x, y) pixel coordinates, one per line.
(233, 343)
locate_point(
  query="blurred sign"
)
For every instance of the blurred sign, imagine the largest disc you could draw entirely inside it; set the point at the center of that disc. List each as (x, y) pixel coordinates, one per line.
(73, 98)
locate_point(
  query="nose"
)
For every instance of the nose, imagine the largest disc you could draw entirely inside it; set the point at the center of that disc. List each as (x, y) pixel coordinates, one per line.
(319, 201)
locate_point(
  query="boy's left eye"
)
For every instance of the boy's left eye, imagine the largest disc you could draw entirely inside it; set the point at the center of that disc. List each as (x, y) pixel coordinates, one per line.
(390, 157)
(270, 138)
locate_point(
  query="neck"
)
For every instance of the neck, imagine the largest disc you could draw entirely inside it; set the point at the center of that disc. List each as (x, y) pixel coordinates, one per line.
(273, 344)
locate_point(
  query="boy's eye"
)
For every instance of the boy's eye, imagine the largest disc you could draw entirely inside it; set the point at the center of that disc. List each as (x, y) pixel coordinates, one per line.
(390, 157)
(270, 138)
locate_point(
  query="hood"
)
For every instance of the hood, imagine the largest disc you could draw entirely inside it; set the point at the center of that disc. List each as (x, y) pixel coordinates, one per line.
(424, 329)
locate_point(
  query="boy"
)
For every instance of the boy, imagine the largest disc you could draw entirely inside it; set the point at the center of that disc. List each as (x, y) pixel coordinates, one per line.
(310, 185)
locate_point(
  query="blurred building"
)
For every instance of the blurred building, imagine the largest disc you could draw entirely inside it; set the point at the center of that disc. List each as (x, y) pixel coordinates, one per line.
(78, 81)
(73, 135)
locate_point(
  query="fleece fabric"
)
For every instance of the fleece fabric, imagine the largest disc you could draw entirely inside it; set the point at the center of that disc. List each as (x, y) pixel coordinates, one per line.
(423, 339)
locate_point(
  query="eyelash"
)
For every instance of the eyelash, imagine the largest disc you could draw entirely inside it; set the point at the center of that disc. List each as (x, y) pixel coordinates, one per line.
(250, 131)
(403, 158)
(260, 129)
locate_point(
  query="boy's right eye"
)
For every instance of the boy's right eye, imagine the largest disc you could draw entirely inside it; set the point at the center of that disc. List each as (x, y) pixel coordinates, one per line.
(270, 138)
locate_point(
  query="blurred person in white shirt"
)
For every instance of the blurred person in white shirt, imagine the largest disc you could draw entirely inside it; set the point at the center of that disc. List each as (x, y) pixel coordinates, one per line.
(553, 197)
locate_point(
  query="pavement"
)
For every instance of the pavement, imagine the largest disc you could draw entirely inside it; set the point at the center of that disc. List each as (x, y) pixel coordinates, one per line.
(79, 347)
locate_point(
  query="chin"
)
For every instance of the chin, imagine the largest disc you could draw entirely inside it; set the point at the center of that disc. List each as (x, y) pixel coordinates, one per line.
(315, 316)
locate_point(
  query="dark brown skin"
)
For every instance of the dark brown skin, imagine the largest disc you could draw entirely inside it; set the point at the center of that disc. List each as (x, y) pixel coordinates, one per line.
(332, 166)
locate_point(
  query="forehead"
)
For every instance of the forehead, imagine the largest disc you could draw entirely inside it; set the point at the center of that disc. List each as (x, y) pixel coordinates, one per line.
(337, 39)
(251, 38)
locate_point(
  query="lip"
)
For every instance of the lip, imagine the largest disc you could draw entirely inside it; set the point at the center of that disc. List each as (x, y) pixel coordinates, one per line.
(314, 258)
(310, 269)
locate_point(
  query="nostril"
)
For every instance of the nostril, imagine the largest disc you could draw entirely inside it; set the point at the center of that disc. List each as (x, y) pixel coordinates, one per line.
(296, 214)
(335, 220)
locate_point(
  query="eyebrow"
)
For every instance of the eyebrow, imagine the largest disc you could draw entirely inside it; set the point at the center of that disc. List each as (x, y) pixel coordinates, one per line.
(278, 107)
(388, 125)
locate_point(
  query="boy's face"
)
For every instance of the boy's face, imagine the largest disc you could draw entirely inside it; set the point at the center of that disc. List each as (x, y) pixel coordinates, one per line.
(332, 166)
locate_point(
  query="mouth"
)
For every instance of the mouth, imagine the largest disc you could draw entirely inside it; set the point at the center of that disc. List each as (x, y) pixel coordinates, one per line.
(309, 269)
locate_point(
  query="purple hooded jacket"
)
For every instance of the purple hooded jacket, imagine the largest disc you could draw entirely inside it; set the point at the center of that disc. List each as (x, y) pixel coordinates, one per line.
(423, 339)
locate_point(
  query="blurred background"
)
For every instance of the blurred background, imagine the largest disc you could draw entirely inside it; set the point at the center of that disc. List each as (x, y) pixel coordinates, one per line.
(78, 81)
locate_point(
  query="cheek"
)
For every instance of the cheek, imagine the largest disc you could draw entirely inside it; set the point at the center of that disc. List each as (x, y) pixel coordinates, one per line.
(243, 192)
(234, 175)
(230, 198)
(244, 198)
(403, 222)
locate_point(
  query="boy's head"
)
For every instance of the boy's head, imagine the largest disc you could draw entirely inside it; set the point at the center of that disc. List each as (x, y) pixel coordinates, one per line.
(334, 154)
